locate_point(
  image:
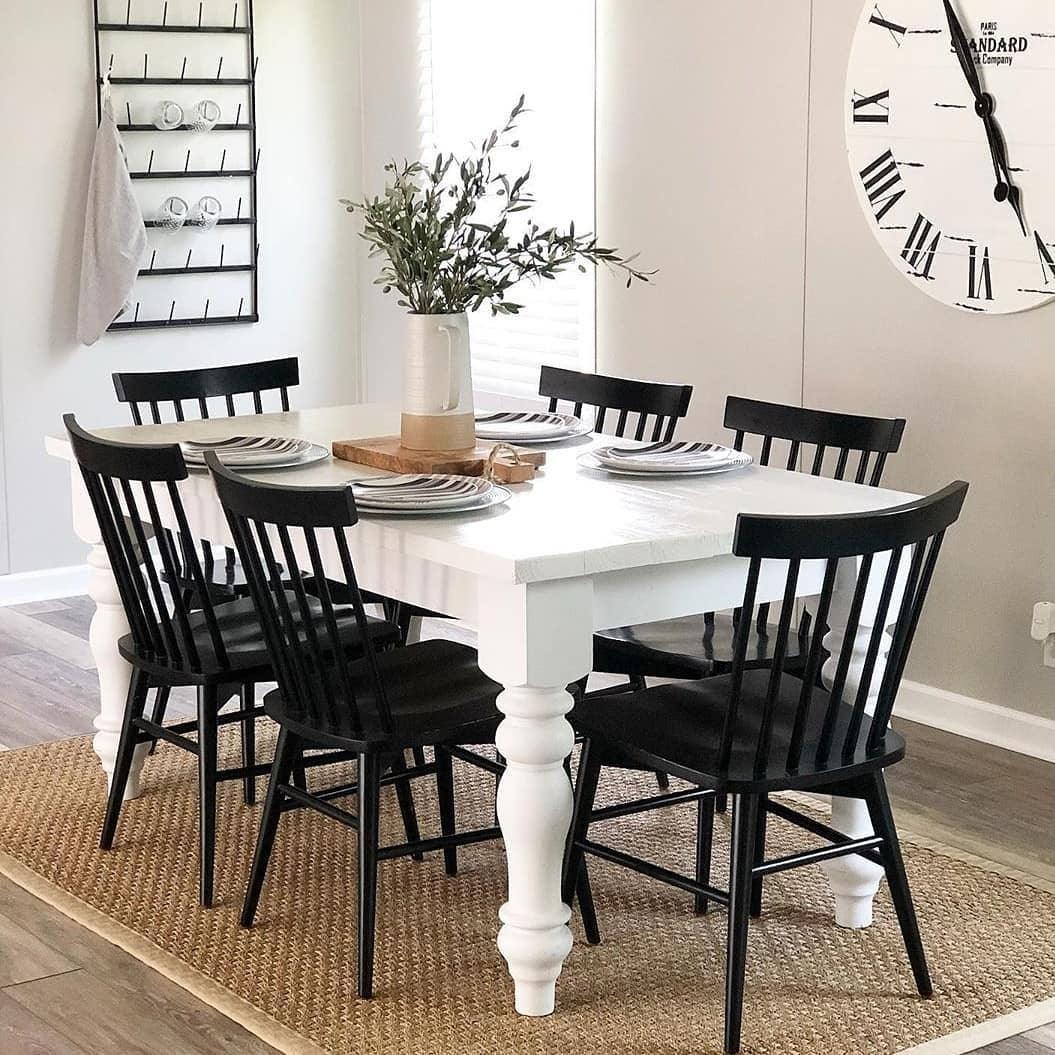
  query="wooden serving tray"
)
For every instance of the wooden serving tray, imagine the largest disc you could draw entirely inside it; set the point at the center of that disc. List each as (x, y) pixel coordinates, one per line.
(386, 452)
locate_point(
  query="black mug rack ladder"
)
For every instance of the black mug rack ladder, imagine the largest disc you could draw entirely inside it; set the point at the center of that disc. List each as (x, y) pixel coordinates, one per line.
(240, 24)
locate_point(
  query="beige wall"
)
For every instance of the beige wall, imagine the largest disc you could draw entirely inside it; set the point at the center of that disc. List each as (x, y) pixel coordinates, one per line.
(701, 165)
(702, 145)
(308, 116)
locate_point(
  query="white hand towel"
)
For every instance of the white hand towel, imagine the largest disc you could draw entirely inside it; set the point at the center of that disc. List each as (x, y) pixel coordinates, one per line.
(115, 237)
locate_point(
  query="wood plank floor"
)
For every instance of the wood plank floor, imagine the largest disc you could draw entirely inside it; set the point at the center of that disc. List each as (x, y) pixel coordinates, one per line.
(64, 991)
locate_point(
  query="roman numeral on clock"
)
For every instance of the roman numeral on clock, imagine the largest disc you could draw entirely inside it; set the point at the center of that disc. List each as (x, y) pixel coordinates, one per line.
(979, 279)
(871, 109)
(1047, 264)
(896, 32)
(921, 247)
(882, 184)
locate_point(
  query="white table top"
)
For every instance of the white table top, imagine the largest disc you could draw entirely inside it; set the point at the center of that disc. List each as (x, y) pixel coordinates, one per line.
(568, 522)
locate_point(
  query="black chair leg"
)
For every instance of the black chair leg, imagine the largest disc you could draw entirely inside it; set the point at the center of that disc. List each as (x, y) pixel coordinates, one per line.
(208, 705)
(419, 756)
(662, 780)
(883, 824)
(247, 701)
(584, 892)
(445, 793)
(138, 688)
(585, 792)
(405, 795)
(760, 856)
(721, 803)
(369, 794)
(157, 715)
(704, 845)
(744, 842)
(287, 752)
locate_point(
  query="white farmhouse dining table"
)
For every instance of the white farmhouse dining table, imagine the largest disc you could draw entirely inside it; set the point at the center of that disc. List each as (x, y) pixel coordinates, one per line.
(574, 551)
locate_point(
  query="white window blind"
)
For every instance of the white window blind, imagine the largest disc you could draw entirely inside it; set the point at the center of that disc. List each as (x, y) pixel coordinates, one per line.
(477, 58)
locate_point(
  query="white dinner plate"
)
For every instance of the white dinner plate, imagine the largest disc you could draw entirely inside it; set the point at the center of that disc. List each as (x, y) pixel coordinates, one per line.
(497, 496)
(523, 426)
(245, 451)
(314, 453)
(420, 491)
(672, 457)
(589, 460)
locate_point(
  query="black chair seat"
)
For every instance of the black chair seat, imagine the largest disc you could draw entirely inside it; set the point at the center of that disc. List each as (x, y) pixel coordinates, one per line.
(678, 729)
(691, 647)
(244, 641)
(435, 691)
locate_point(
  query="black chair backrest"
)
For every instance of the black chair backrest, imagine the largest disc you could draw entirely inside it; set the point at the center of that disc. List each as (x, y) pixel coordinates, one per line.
(197, 387)
(306, 653)
(821, 429)
(666, 403)
(906, 539)
(129, 485)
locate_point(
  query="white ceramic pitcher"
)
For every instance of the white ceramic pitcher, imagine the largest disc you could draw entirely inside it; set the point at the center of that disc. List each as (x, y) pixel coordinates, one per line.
(437, 384)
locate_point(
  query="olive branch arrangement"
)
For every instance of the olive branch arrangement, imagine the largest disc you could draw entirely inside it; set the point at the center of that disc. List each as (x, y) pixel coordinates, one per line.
(442, 256)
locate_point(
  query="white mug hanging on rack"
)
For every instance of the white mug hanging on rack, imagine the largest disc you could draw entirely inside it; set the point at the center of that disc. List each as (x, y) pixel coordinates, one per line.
(206, 115)
(168, 115)
(207, 212)
(173, 213)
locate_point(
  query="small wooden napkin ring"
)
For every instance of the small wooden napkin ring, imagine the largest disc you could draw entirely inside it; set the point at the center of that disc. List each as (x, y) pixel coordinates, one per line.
(508, 472)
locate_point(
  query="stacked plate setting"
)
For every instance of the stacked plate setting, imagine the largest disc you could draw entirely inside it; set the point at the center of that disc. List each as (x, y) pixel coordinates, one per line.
(528, 427)
(254, 452)
(666, 459)
(413, 495)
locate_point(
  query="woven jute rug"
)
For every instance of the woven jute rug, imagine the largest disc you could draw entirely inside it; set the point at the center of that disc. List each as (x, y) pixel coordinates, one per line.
(654, 985)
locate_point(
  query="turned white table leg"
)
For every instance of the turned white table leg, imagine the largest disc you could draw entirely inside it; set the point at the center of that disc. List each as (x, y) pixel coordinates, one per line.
(535, 640)
(855, 881)
(109, 625)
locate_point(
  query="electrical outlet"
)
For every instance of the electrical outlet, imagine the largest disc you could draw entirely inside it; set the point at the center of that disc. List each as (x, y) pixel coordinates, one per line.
(1043, 629)
(1043, 620)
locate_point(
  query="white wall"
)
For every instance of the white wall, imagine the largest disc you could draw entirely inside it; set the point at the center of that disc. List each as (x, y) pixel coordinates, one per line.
(310, 139)
(706, 114)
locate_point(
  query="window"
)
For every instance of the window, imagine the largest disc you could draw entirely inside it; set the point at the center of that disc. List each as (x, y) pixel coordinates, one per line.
(477, 58)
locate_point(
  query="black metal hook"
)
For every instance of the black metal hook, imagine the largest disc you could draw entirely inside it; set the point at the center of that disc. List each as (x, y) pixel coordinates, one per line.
(223, 159)
(200, 6)
(238, 211)
(186, 164)
(219, 67)
(165, 14)
(172, 311)
(146, 63)
(205, 315)
(153, 257)
(189, 252)
(241, 303)
(150, 163)
(183, 71)
(222, 248)
(135, 318)
(234, 19)
(128, 18)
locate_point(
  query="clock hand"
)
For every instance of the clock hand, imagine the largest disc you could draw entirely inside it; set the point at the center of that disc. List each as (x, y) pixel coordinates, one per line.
(984, 105)
(1005, 189)
(963, 51)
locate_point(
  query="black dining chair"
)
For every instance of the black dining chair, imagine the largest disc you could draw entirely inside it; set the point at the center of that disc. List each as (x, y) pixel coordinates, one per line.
(429, 694)
(218, 649)
(161, 396)
(754, 732)
(819, 442)
(650, 408)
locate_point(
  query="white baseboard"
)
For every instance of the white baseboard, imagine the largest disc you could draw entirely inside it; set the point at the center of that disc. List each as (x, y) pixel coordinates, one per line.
(1027, 734)
(46, 585)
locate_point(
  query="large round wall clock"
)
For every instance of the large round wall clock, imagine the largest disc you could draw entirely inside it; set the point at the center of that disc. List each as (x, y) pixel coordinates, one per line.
(950, 130)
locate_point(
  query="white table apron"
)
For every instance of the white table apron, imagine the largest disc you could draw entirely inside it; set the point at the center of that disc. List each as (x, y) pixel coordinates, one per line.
(535, 637)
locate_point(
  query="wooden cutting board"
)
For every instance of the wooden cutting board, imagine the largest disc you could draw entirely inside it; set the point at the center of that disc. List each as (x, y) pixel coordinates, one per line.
(385, 452)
